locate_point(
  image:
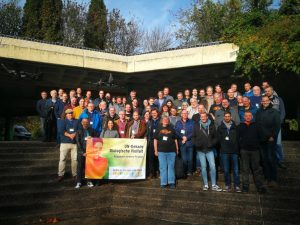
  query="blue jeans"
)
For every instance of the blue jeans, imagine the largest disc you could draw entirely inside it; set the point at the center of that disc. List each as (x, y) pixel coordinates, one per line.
(279, 149)
(187, 157)
(211, 161)
(226, 159)
(167, 167)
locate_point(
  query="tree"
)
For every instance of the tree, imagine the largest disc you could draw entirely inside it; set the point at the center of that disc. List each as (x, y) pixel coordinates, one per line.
(205, 21)
(32, 24)
(268, 43)
(290, 7)
(257, 5)
(51, 20)
(74, 22)
(11, 18)
(123, 37)
(96, 28)
(157, 40)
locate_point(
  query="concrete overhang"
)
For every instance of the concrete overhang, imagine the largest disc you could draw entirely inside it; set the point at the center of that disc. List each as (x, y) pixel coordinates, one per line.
(25, 50)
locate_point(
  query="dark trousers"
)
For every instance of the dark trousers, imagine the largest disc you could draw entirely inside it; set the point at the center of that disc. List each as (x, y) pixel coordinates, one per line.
(251, 160)
(80, 167)
(227, 160)
(269, 160)
(50, 129)
(152, 160)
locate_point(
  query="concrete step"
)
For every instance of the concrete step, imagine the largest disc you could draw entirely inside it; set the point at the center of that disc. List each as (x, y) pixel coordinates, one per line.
(26, 144)
(52, 184)
(30, 156)
(64, 215)
(190, 216)
(17, 163)
(293, 144)
(202, 203)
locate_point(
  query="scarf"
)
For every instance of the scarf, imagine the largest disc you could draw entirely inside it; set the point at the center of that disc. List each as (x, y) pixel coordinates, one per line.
(228, 125)
(135, 126)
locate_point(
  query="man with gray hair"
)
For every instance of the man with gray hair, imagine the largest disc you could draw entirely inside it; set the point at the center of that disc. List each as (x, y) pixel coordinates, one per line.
(256, 98)
(50, 119)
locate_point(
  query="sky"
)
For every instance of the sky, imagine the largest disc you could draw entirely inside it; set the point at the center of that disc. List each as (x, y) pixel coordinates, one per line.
(152, 13)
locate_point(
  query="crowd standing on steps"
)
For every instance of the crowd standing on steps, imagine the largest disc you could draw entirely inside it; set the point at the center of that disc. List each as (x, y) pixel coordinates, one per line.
(238, 130)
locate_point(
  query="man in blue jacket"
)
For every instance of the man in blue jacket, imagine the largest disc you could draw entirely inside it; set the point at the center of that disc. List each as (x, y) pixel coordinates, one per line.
(93, 116)
(184, 130)
(68, 131)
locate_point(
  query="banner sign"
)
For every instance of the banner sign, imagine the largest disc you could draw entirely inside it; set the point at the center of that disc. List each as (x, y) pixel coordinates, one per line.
(115, 158)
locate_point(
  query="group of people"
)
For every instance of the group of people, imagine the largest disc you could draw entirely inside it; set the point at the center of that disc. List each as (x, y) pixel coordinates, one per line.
(209, 125)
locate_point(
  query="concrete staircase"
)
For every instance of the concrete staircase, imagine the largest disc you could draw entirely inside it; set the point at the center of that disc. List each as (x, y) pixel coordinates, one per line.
(29, 194)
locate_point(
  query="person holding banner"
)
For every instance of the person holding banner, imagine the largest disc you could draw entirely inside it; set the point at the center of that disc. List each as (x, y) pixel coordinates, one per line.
(152, 161)
(166, 148)
(121, 124)
(136, 128)
(93, 116)
(83, 134)
(109, 130)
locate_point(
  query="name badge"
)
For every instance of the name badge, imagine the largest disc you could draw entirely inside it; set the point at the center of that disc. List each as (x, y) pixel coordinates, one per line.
(179, 107)
(154, 130)
(227, 138)
(165, 138)
(182, 131)
(91, 122)
(257, 105)
(133, 132)
(71, 129)
(122, 132)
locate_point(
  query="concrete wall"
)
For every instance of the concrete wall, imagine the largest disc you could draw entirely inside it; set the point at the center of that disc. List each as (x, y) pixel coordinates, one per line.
(60, 55)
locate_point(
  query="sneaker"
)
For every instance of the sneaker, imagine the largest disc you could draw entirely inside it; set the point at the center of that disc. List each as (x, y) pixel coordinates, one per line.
(89, 184)
(172, 186)
(216, 188)
(227, 189)
(163, 186)
(78, 185)
(205, 188)
(238, 189)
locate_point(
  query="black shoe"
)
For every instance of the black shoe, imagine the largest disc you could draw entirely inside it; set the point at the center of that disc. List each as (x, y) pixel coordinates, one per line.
(60, 178)
(163, 186)
(262, 190)
(282, 166)
(172, 186)
(246, 189)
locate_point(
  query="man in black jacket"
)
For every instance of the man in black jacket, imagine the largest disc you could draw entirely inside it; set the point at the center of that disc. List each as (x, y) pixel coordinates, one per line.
(204, 138)
(248, 139)
(227, 135)
(268, 122)
(83, 134)
(40, 108)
